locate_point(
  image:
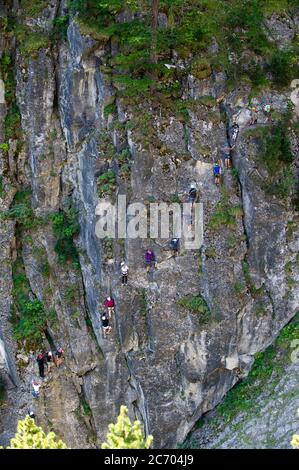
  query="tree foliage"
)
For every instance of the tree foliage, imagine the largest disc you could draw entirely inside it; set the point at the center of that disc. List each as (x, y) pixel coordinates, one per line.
(125, 435)
(30, 436)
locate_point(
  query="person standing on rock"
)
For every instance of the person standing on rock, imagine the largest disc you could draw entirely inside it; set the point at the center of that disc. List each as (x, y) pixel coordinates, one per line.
(59, 353)
(149, 259)
(234, 132)
(227, 156)
(124, 273)
(174, 245)
(40, 359)
(217, 173)
(109, 304)
(36, 387)
(105, 325)
(49, 360)
(192, 194)
(254, 116)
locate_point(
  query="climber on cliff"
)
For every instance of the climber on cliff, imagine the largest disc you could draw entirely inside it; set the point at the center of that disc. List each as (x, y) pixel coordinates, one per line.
(234, 132)
(105, 325)
(254, 116)
(174, 245)
(149, 259)
(49, 360)
(40, 359)
(124, 273)
(227, 156)
(267, 112)
(109, 304)
(59, 353)
(36, 387)
(217, 173)
(192, 194)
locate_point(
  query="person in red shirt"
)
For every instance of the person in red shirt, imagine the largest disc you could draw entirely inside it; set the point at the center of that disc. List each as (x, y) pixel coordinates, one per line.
(109, 304)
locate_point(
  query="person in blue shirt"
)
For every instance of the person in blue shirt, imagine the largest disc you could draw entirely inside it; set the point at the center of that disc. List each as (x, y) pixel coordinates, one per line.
(217, 173)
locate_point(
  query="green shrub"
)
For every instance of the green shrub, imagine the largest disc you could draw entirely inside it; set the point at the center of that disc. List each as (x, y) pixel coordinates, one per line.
(108, 248)
(33, 8)
(225, 213)
(4, 147)
(59, 31)
(201, 68)
(196, 304)
(284, 66)
(239, 288)
(245, 21)
(12, 122)
(2, 190)
(208, 101)
(30, 42)
(257, 74)
(106, 183)
(65, 227)
(110, 109)
(32, 322)
(28, 316)
(125, 171)
(22, 212)
(276, 154)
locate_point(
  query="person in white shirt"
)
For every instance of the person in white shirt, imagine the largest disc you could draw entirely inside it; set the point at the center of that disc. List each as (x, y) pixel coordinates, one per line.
(124, 273)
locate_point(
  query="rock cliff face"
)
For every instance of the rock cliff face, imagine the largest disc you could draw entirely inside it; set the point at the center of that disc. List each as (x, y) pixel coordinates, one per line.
(161, 360)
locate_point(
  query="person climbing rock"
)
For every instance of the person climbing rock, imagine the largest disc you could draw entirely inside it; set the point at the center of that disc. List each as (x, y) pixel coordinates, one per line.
(49, 360)
(105, 325)
(124, 272)
(40, 359)
(267, 112)
(253, 119)
(36, 387)
(234, 132)
(109, 304)
(149, 259)
(217, 173)
(192, 194)
(227, 156)
(174, 245)
(59, 353)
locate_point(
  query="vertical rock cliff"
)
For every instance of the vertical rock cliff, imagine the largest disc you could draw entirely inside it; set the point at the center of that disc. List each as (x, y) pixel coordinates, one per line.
(64, 122)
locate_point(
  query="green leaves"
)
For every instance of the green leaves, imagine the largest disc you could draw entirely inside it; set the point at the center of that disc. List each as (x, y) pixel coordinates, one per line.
(126, 435)
(30, 436)
(65, 227)
(196, 304)
(106, 183)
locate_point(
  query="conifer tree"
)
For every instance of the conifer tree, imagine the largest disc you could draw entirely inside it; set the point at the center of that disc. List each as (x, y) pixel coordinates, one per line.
(30, 436)
(125, 435)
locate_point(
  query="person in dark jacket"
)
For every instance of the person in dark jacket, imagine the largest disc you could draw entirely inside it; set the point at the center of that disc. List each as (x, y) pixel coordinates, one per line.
(105, 325)
(192, 194)
(149, 259)
(41, 364)
(59, 353)
(174, 245)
